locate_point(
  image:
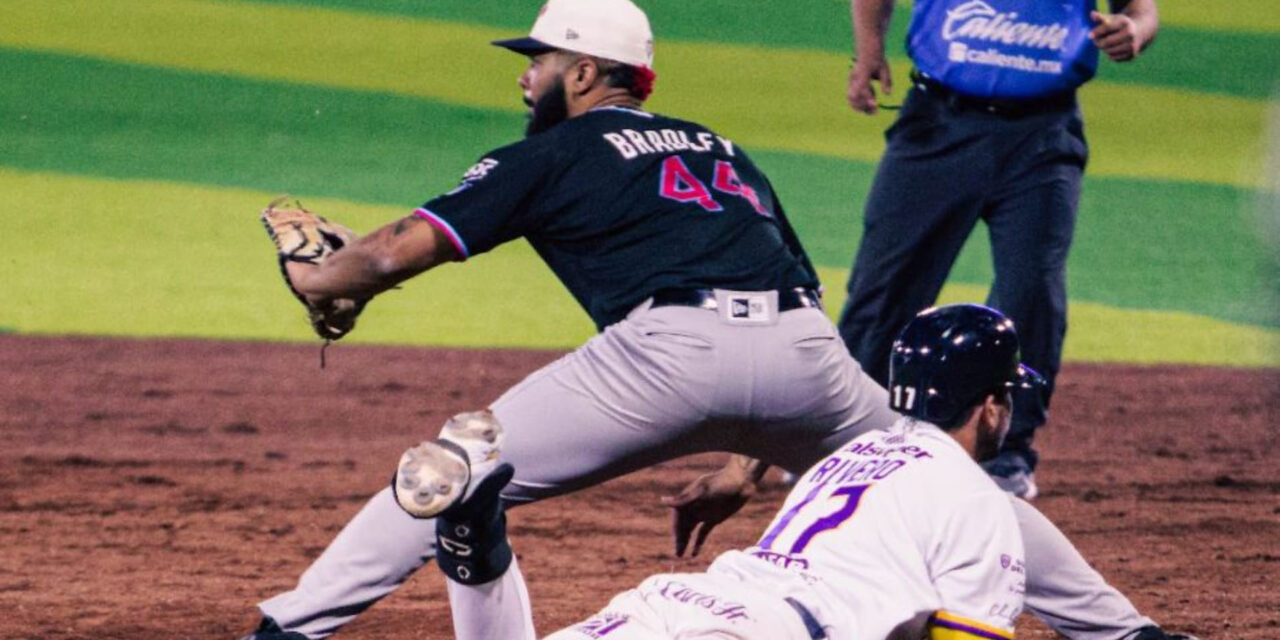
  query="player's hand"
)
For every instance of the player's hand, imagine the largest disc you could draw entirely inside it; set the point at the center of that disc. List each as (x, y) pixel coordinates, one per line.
(1116, 35)
(709, 500)
(300, 274)
(331, 318)
(862, 96)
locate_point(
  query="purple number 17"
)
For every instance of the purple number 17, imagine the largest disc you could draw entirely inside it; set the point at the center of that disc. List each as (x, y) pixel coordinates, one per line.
(852, 494)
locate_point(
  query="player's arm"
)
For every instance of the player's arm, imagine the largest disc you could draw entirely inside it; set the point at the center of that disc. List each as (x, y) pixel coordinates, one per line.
(1127, 30)
(975, 560)
(870, 24)
(713, 498)
(485, 210)
(376, 262)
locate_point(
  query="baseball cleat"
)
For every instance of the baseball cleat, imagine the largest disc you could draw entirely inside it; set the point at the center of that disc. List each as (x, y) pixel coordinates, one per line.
(268, 629)
(1013, 474)
(1019, 483)
(1156, 633)
(436, 474)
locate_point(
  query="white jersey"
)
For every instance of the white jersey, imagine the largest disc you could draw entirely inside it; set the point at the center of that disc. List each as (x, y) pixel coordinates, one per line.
(899, 534)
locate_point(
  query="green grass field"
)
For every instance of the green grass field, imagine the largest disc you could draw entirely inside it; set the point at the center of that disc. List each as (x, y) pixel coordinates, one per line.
(138, 139)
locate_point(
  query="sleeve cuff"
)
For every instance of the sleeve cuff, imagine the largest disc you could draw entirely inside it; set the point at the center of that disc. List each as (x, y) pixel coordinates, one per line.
(949, 626)
(446, 228)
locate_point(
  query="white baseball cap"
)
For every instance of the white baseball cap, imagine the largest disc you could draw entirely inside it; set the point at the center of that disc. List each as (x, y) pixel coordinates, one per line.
(611, 29)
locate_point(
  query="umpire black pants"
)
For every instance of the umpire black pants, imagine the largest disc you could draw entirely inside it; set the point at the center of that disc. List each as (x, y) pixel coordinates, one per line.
(948, 165)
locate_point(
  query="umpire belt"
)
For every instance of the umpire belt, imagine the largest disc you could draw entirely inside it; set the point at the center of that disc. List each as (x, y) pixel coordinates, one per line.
(811, 624)
(788, 299)
(1004, 107)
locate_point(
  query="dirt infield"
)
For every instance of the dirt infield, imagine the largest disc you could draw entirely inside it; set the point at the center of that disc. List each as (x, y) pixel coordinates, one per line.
(158, 489)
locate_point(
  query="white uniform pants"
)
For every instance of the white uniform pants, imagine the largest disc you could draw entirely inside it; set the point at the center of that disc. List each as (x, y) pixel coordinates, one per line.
(664, 383)
(690, 606)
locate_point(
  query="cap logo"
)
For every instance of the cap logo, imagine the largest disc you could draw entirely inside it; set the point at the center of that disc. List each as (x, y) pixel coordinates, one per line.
(570, 34)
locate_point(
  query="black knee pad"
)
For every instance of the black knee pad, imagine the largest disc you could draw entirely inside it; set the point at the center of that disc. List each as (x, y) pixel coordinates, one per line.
(471, 537)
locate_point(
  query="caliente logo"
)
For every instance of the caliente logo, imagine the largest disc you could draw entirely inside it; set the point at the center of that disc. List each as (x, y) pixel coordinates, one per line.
(977, 20)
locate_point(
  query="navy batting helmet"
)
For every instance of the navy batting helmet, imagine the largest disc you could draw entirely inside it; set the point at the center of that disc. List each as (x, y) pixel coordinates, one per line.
(947, 359)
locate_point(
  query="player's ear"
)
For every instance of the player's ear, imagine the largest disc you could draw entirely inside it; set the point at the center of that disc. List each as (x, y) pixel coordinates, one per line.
(582, 75)
(991, 409)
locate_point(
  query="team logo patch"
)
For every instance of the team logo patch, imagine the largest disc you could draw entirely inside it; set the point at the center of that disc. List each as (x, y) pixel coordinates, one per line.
(1010, 563)
(477, 172)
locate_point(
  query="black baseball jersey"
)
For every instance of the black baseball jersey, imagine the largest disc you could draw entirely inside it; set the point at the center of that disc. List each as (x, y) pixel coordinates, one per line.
(623, 203)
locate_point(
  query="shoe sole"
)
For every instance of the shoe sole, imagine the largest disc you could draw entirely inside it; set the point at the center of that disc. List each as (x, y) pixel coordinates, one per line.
(478, 432)
(435, 475)
(431, 478)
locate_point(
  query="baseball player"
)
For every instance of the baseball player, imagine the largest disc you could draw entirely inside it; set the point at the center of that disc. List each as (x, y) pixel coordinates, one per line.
(897, 534)
(712, 336)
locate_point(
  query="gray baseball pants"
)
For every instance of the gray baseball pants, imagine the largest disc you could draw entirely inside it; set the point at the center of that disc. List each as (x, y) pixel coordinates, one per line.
(664, 383)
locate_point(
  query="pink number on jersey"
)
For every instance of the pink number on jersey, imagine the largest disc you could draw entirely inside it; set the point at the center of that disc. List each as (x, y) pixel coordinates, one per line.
(679, 184)
(726, 180)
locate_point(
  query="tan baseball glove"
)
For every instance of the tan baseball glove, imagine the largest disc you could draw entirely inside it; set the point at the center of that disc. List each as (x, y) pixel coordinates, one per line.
(303, 236)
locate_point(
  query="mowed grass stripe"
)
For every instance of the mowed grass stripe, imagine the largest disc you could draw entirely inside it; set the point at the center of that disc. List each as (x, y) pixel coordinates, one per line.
(1157, 245)
(83, 115)
(1138, 244)
(145, 258)
(1096, 332)
(1247, 16)
(210, 272)
(787, 100)
(1235, 64)
(1257, 16)
(778, 23)
(1217, 61)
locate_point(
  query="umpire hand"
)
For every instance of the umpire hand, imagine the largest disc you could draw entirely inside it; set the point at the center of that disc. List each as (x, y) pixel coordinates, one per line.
(862, 96)
(1116, 35)
(709, 500)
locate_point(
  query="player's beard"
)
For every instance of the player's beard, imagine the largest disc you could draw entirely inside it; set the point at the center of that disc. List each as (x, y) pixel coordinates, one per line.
(549, 110)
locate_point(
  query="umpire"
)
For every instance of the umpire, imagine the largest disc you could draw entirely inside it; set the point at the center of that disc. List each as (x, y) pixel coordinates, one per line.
(990, 130)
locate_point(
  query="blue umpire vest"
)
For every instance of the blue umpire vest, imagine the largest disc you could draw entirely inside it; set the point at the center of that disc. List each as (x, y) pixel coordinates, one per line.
(1016, 49)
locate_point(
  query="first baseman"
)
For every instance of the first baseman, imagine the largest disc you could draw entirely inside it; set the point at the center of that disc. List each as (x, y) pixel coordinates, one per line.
(712, 336)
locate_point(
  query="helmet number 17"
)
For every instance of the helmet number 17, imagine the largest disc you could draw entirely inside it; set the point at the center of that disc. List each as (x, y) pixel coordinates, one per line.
(903, 398)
